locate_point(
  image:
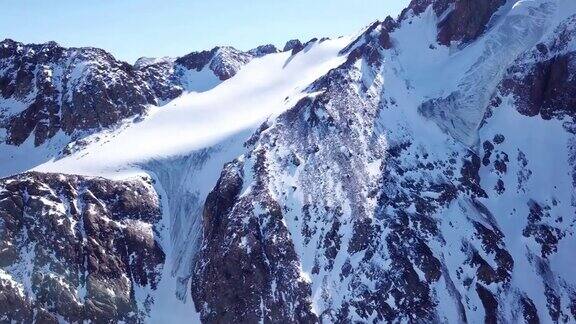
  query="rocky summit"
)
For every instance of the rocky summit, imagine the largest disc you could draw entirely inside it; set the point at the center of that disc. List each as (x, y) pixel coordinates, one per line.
(422, 170)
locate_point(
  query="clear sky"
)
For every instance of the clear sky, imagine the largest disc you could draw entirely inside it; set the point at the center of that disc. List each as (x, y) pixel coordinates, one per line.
(130, 29)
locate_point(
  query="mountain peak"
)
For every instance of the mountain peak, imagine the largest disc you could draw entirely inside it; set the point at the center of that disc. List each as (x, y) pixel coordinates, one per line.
(293, 45)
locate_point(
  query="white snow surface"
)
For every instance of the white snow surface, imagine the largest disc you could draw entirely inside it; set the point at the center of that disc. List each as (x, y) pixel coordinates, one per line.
(263, 88)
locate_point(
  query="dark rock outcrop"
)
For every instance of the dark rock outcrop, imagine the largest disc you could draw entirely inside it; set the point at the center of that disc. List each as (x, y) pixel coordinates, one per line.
(65, 89)
(76, 248)
(463, 20)
(263, 50)
(247, 268)
(546, 88)
(467, 20)
(293, 45)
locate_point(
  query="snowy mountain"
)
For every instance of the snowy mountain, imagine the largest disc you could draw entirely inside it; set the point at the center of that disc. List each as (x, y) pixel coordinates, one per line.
(422, 170)
(47, 88)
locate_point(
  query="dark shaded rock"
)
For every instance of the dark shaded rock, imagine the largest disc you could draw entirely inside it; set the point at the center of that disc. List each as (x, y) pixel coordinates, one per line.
(529, 311)
(331, 244)
(489, 302)
(488, 147)
(500, 188)
(163, 79)
(197, 60)
(467, 20)
(66, 89)
(220, 200)
(546, 89)
(498, 139)
(87, 242)
(263, 50)
(469, 175)
(384, 39)
(14, 308)
(416, 7)
(542, 229)
(247, 267)
(500, 162)
(362, 236)
(492, 243)
(293, 45)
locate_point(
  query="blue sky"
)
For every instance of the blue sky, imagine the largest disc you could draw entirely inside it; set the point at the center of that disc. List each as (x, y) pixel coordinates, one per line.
(134, 28)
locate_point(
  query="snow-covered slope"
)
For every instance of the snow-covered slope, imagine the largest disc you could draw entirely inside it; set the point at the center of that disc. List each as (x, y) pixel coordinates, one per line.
(420, 171)
(263, 88)
(52, 97)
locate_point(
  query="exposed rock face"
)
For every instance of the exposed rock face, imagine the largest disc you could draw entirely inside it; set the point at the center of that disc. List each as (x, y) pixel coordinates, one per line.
(467, 20)
(293, 45)
(162, 76)
(77, 249)
(263, 50)
(46, 88)
(223, 61)
(227, 61)
(462, 20)
(250, 258)
(417, 7)
(548, 89)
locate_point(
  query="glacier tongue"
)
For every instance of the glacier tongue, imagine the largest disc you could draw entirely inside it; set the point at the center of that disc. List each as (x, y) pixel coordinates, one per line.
(185, 182)
(462, 111)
